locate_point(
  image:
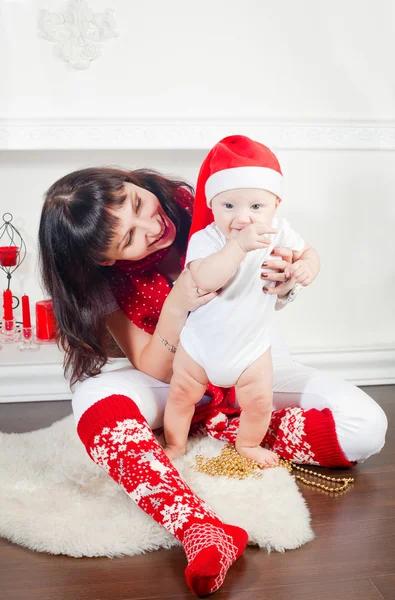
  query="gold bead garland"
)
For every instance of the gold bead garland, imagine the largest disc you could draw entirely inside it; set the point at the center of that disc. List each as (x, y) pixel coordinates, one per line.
(234, 466)
(228, 464)
(347, 481)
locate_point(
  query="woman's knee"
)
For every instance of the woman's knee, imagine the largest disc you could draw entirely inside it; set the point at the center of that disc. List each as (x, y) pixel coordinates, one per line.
(86, 394)
(381, 426)
(361, 423)
(147, 393)
(371, 438)
(361, 428)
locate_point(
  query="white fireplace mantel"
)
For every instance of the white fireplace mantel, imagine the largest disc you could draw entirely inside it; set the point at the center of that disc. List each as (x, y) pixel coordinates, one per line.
(120, 134)
(38, 376)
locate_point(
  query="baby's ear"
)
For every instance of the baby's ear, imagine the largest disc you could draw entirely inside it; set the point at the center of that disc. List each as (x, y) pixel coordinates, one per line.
(278, 200)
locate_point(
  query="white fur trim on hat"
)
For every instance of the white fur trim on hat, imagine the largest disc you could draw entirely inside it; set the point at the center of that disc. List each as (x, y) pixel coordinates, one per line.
(243, 177)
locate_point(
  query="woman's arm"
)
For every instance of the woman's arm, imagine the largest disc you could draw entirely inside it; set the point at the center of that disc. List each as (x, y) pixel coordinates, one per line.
(146, 352)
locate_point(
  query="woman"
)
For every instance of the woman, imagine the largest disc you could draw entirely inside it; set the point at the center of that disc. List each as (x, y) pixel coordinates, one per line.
(111, 247)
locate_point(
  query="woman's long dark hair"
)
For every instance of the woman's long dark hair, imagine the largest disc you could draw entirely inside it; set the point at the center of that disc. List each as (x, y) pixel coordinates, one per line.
(76, 230)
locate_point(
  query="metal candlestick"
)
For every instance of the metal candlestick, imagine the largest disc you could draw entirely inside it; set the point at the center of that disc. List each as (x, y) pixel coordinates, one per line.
(10, 237)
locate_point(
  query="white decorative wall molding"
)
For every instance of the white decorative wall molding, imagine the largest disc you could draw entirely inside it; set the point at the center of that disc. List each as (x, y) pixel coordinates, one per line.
(37, 376)
(39, 381)
(78, 32)
(163, 134)
(361, 366)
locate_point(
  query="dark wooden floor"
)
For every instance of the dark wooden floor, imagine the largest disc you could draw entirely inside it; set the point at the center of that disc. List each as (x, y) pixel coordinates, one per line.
(352, 557)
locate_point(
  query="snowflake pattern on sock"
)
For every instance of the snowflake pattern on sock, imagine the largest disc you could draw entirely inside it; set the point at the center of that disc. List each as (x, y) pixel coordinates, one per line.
(132, 456)
(125, 447)
(286, 435)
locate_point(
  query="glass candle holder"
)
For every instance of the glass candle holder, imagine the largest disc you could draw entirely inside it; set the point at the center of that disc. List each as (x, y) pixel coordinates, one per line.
(8, 256)
(27, 341)
(9, 335)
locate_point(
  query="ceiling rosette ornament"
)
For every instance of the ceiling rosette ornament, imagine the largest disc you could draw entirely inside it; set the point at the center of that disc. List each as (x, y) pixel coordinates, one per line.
(78, 32)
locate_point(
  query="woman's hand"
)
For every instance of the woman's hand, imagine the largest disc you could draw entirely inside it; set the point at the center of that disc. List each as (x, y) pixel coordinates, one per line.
(186, 296)
(273, 270)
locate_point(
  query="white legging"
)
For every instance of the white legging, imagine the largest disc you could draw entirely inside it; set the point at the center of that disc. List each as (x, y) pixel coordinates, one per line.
(361, 424)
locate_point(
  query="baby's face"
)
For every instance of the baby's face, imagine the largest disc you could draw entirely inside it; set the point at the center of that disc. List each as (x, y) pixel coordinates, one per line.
(235, 209)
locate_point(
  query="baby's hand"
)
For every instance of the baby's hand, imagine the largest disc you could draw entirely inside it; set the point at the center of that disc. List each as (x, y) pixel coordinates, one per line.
(252, 237)
(301, 272)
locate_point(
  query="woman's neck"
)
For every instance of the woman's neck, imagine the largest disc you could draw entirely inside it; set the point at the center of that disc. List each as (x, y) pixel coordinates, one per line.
(169, 266)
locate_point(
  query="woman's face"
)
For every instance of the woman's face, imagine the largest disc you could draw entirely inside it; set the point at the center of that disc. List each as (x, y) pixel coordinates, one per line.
(143, 226)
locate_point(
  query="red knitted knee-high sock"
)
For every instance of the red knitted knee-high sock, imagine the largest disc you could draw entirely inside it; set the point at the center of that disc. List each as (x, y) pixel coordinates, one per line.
(118, 439)
(303, 436)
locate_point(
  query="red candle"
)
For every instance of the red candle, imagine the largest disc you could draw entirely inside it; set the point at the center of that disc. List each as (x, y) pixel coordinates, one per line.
(7, 305)
(8, 255)
(45, 320)
(26, 322)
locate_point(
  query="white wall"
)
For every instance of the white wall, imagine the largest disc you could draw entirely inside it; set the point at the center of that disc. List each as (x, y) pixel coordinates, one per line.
(209, 59)
(312, 69)
(342, 202)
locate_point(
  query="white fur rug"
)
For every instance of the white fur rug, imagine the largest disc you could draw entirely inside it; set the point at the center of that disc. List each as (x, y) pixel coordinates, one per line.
(54, 499)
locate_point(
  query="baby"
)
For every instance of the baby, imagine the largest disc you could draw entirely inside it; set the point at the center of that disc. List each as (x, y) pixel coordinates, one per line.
(227, 341)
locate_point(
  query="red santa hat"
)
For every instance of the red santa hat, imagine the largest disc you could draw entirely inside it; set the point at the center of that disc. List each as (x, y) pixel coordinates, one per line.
(235, 162)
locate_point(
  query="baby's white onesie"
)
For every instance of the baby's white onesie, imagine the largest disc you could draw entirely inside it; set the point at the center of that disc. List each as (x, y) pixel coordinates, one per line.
(229, 333)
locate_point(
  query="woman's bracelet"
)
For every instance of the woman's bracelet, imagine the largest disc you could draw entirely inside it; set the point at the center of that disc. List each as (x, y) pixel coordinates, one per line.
(290, 297)
(166, 343)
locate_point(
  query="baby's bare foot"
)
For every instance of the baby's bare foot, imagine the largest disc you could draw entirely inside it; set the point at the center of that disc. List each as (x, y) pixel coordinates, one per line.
(264, 457)
(173, 452)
